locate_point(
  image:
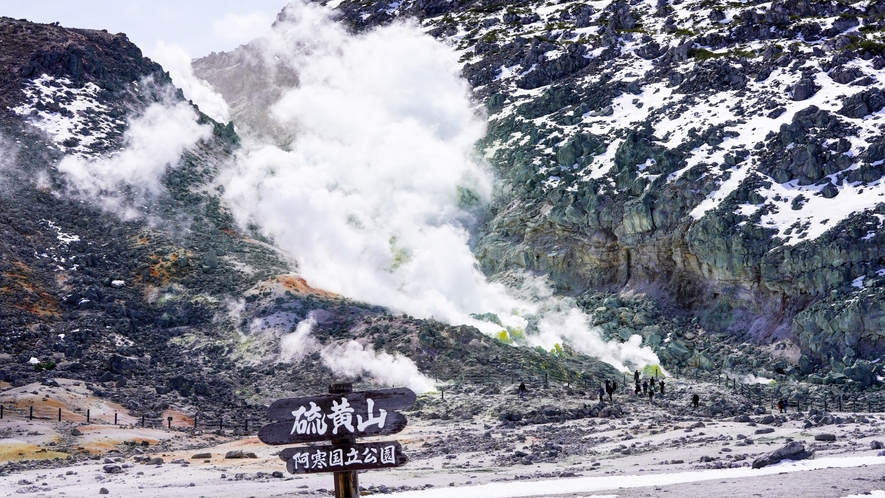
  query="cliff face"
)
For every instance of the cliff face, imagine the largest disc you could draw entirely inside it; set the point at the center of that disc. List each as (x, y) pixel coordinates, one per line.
(726, 161)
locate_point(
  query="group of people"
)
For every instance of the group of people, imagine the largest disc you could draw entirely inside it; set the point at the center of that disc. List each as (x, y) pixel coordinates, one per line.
(782, 405)
(647, 387)
(642, 388)
(609, 389)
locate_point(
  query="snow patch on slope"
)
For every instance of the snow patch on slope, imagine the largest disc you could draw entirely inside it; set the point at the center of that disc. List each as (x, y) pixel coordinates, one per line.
(72, 116)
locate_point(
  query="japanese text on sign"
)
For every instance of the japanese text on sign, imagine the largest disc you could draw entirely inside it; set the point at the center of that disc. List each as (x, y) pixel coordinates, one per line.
(321, 459)
(312, 419)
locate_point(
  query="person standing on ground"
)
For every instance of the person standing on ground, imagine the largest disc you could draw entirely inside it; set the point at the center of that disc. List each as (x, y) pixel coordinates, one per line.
(645, 387)
(601, 393)
(662, 386)
(695, 400)
(522, 390)
(651, 383)
(636, 376)
(651, 396)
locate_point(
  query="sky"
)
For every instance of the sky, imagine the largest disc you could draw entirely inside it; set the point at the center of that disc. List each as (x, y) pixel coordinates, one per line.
(197, 26)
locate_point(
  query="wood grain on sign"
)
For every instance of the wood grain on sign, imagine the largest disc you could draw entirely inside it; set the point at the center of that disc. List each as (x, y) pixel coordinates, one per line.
(385, 399)
(343, 457)
(282, 432)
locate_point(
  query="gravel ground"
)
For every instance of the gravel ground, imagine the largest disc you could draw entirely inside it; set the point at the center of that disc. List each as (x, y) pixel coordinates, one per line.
(470, 438)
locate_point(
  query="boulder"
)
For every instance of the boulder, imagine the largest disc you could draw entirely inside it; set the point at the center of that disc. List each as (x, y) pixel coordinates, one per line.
(803, 90)
(794, 450)
(236, 454)
(121, 365)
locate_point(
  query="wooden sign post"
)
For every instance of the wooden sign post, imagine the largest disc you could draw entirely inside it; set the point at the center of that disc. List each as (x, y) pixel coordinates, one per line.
(339, 417)
(347, 483)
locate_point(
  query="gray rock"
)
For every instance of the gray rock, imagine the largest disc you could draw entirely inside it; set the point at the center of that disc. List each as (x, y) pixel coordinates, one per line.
(804, 89)
(792, 451)
(236, 454)
(112, 469)
(825, 437)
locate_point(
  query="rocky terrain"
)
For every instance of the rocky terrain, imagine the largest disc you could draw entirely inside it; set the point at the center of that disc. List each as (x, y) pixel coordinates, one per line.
(483, 441)
(155, 297)
(705, 176)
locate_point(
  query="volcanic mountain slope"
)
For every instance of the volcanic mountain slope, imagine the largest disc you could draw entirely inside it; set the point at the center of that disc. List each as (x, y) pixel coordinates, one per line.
(722, 159)
(150, 292)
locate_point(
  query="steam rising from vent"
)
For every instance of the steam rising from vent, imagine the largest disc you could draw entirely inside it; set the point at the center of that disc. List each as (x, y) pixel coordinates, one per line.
(154, 141)
(377, 192)
(9, 151)
(371, 194)
(299, 344)
(352, 359)
(574, 326)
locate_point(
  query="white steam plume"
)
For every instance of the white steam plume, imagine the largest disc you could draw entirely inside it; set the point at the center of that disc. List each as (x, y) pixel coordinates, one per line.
(352, 359)
(370, 196)
(573, 325)
(176, 60)
(367, 196)
(9, 151)
(300, 343)
(154, 141)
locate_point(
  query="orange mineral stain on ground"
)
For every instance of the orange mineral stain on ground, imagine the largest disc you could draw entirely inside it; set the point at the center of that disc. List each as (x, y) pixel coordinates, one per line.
(162, 269)
(28, 295)
(24, 451)
(178, 419)
(294, 284)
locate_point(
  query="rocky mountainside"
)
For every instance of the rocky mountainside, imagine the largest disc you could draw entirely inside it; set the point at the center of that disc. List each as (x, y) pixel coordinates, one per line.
(150, 292)
(721, 163)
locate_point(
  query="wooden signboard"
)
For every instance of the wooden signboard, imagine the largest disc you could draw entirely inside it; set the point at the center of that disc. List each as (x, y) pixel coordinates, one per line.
(334, 416)
(340, 417)
(343, 457)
